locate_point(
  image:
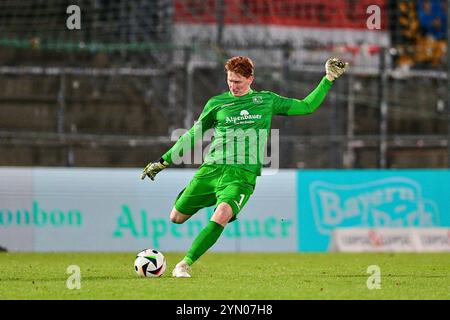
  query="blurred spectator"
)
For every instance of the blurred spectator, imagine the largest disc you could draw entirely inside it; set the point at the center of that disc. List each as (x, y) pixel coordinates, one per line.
(432, 18)
(431, 42)
(405, 32)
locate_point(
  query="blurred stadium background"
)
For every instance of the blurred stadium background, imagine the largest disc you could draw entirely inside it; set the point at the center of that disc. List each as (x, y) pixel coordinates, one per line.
(110, 94)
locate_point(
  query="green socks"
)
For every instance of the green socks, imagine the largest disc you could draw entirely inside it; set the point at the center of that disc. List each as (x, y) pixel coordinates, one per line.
(205, 240)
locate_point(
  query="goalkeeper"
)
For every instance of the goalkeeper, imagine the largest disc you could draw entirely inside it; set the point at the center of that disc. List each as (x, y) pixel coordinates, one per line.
(225, 179)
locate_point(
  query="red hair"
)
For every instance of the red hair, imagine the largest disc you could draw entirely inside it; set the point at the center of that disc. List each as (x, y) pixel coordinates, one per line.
(240, 65)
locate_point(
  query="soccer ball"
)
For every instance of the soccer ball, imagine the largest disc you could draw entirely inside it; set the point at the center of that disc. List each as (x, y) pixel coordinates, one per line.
(150, 263)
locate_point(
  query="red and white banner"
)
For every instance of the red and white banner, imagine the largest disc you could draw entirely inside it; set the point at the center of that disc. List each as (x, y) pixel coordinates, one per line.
(296, 13)
(316, 29)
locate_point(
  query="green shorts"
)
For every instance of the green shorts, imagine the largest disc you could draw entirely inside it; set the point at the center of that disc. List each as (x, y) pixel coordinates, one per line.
(213, 184)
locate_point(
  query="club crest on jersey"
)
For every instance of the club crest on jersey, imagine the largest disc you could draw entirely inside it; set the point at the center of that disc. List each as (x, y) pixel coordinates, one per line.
(257, 100)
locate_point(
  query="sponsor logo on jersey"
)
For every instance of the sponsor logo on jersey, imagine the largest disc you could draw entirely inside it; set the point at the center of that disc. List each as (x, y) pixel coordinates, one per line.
(244, 117)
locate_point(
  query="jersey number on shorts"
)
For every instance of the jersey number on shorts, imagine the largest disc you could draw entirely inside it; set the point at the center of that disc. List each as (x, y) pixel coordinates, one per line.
(240, 201)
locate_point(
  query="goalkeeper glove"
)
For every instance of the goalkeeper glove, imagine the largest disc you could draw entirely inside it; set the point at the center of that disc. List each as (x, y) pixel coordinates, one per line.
(334, 68)
(152, 169)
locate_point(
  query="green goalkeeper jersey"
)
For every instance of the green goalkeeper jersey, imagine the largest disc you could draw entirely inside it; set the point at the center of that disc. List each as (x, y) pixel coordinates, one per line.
(242, 125)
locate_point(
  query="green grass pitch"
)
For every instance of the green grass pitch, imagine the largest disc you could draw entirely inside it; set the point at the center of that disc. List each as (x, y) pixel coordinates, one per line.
(229, 276)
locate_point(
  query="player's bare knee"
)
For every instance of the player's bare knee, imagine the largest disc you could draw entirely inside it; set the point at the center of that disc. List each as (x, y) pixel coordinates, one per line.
(178, 217)
(223, 214)
(175, 219)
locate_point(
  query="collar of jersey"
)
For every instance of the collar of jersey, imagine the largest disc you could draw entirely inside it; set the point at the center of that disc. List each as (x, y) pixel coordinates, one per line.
(245, 95)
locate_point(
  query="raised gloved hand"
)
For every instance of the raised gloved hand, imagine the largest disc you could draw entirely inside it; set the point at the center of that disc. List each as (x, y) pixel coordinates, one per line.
(152, 169)
(334, 68)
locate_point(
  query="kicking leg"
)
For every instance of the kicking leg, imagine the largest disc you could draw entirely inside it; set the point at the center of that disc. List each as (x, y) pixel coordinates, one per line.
(205, 239)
